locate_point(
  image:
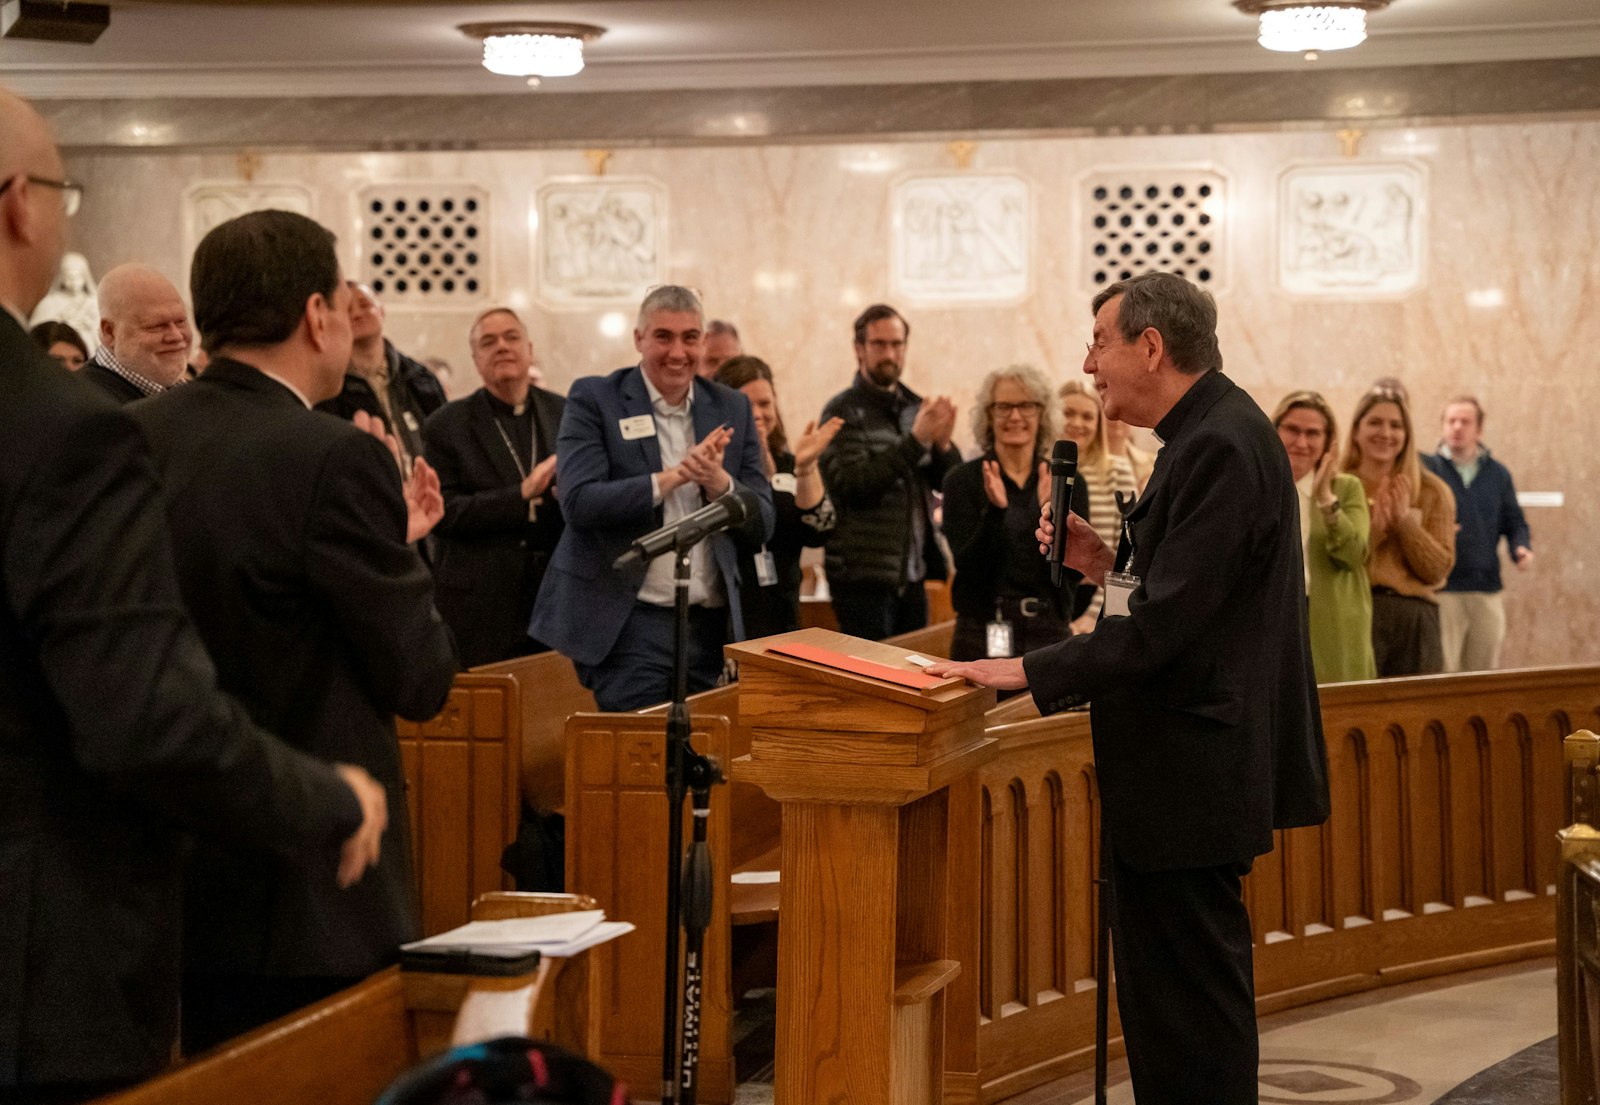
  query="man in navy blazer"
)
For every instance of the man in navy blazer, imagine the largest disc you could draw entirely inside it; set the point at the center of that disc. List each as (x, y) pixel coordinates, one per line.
(1207, 730)
(639, 449)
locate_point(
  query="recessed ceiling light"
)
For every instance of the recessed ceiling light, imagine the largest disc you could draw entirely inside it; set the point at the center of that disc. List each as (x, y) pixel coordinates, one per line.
(533, 49)
(1309, 26)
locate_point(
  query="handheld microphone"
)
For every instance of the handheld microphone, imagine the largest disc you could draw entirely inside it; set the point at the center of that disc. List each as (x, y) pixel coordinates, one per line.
(721, 513)
(1063, 474)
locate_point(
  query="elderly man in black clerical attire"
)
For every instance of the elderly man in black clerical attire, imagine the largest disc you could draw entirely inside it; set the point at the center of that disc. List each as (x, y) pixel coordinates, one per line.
(114, 738)
(1207, 730)
(293, 539)
(495, 452)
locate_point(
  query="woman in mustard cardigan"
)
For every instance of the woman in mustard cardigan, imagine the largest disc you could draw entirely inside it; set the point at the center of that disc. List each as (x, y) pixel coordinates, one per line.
(1333, 533)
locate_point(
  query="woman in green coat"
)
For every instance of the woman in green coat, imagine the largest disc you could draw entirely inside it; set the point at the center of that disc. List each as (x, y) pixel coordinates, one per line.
(1334, 528)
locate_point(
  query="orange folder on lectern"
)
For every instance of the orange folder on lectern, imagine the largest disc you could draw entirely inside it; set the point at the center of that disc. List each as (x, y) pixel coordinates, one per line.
(916, 680)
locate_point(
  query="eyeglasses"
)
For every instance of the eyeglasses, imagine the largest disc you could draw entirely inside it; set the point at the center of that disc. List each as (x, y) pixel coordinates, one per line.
(1006, 410)
(71, 191)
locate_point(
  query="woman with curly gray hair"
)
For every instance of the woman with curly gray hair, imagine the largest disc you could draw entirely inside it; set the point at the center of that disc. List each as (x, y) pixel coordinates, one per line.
(1004, 603)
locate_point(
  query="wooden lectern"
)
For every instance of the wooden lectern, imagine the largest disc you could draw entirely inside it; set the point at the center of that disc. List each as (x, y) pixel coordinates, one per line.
(861, 766)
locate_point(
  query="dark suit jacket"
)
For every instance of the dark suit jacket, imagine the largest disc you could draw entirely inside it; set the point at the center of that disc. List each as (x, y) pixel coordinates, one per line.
(490, 558)
(1207, 730)
(118, 388)
(113, 741)
(605, 495)
(290, 535)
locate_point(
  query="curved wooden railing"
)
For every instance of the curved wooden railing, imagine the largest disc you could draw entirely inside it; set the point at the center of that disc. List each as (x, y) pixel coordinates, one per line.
(1439, 856)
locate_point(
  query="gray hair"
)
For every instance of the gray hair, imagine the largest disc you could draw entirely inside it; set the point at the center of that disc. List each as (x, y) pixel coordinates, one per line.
(1039, 390)
(1184, 315)
(722, 326)
(669, 297)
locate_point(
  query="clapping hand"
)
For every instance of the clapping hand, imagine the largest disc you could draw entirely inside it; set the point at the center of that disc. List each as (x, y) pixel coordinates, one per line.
(1046, 485)
(1322, 483)
(424, 499)
(813, 441)
(993, 485)
(935, 422)
(703, 463)
(538, 481)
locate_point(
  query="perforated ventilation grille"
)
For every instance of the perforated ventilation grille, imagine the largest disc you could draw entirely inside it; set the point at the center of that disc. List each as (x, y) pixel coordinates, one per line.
(1143, 219)
(426, 244)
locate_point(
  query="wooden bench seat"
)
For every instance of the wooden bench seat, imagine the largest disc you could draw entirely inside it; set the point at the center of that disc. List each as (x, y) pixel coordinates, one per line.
(346, 1049)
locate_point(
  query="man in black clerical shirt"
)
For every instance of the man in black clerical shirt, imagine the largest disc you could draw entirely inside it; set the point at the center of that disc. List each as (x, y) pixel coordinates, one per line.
(495, 452)
(1207, 731)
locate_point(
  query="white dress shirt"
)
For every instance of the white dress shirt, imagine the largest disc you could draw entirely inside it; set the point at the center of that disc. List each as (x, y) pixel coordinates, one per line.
(675, 436)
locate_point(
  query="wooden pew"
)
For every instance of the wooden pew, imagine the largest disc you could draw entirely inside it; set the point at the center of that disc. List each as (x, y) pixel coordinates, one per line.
(1447, 791)
(617, 852)
(550, 694)
(1578, 965)
(498, 742)
(346, 1049)
(1577, 934)
(461, 789)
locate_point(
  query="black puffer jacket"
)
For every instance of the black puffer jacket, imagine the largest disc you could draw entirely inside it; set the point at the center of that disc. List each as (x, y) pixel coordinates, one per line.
(878, 474)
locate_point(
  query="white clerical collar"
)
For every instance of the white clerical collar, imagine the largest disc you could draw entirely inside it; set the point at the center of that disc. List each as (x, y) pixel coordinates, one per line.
(273, 376)
(659, 402)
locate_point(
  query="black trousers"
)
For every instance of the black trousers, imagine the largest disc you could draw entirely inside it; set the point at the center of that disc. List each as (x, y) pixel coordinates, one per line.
(1185, 988)
(873, 611)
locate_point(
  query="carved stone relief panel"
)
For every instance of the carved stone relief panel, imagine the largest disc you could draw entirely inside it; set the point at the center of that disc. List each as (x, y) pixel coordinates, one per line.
(1352, 229)
(599, 240)
(962, 239)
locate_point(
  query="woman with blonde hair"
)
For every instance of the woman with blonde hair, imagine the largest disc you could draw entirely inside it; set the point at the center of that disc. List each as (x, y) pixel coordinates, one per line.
(1334, 532)
(1413, 534)
(1004, 602)
(1103, 475)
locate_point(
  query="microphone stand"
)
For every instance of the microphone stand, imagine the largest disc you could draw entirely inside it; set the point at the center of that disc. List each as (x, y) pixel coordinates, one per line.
(688, 879)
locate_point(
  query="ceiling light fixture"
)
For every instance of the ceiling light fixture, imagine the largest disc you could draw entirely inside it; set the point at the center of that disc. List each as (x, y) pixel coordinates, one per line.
(1309, 26)
(533, 49)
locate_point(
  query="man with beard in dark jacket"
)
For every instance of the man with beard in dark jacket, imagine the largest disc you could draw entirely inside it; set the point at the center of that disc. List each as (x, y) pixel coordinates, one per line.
(881, 471)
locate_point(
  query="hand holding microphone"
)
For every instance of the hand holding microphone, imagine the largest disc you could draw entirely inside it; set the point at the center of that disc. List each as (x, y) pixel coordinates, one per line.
(1063, 474)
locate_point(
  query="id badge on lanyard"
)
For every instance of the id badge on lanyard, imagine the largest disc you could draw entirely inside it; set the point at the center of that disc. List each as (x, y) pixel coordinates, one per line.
(998, 637)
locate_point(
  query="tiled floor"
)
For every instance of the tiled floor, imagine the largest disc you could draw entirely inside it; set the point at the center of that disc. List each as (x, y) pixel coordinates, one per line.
(1479, 1038)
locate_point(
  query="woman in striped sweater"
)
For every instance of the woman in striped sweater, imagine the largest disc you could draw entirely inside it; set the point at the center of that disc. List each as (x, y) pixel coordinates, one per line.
(1102, 474)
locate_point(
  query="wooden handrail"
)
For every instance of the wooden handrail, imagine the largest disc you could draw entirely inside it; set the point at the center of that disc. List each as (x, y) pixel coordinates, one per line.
(1446, 793)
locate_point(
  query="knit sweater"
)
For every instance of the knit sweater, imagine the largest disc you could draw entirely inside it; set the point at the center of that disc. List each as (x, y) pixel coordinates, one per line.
(1486, 510)
(1412, 554)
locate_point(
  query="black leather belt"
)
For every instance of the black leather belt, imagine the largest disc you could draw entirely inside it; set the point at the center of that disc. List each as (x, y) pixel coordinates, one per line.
(1027, 605)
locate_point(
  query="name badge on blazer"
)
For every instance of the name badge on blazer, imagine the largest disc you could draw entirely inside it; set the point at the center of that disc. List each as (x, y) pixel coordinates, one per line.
(784, 481)
(639, 426)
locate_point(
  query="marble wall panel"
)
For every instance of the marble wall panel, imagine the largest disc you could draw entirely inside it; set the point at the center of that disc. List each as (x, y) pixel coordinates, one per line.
(792, 240)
